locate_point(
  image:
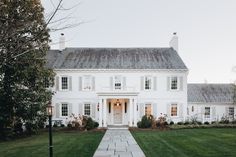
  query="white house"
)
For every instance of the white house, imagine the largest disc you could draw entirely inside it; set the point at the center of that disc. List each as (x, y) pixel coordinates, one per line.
(117, 86)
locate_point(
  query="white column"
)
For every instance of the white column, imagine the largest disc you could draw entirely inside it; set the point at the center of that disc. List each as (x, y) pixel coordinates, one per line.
(130, 112)
(135, 111)
(100, 112)
(104, 112)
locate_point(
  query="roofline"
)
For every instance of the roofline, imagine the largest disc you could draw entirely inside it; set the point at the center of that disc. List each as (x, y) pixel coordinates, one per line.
(128, 47)
(213, 103)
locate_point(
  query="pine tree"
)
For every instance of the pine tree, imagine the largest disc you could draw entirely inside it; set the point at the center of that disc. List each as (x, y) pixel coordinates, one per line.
(24, 42)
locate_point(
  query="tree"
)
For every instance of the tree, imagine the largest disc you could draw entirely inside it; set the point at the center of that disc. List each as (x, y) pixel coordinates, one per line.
(24, 42)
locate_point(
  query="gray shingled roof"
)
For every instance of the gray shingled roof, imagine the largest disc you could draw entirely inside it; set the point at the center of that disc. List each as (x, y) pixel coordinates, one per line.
(115, 58)
(211, 93)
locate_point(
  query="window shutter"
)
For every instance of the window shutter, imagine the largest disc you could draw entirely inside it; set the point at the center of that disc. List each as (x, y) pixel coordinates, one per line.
(142, 83)
(203, 112)
(81, 109)
(168, 83)
(154, 110)
(226, 111)
(69, 109)
(93, 83)
(181, 83)
(124, 83)
(168, 110)
(111, 83)
(80, 83)
(154, 83)
(180, 110)
(141, 109)
(57, 110)
(213, 113)
(57, 83)
(93, 110)
(70, 83)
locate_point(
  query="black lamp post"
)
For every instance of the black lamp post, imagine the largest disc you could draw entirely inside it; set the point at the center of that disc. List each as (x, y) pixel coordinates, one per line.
(49, 113)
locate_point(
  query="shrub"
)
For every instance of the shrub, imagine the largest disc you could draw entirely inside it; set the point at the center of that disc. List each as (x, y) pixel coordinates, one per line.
(165, 123)
(199, 122)
(171, 123)
(96, 124)
(186, 123)
(62, 125)
(213, 122)
(31, 128)
(206, 123)
(180, 123)
(234, 122)
(69, 125)
(146, 122)
(18, 130)
(90, 124)
(55, 125)
(139, 124)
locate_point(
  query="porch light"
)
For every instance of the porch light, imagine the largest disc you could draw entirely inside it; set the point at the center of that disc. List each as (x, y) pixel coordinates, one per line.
(49, 108)
(117, 102)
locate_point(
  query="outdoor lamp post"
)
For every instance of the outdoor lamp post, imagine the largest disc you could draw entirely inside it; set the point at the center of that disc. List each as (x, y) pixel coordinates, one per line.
(49, 113)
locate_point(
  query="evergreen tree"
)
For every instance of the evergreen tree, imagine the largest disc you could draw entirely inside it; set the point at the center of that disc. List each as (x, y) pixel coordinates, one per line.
(24, 42)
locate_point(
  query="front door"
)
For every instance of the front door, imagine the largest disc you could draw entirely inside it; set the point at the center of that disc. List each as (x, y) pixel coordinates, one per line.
(117, 114)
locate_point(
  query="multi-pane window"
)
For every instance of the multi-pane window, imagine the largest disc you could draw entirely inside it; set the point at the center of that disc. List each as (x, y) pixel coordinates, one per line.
(64, 109)
(207, 112)
(174, 83)
(174, 110)
(231, 112)
(46, 82)
(87, 84)
(87, 109)
(148, 109)
(118, 82)
(148, 83)
(64, 83)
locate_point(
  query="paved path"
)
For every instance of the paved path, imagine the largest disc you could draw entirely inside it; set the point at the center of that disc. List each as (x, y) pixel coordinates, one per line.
(118, 143)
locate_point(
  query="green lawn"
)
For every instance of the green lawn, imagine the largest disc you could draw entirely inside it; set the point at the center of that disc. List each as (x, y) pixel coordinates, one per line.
(69, 144)
(211, 142)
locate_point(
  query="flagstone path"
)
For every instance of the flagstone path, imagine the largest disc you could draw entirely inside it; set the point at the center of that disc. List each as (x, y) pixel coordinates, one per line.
(118, 143)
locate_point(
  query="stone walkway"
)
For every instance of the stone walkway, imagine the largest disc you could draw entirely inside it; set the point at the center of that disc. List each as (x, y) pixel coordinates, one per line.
(118, 143)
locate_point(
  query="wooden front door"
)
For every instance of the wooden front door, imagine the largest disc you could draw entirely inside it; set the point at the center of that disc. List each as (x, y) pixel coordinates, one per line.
(117, 114)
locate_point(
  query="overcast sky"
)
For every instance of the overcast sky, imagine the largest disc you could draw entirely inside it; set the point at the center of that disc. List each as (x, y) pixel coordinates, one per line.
(206, 30)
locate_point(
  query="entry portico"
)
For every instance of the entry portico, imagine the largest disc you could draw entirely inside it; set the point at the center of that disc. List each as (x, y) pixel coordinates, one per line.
(118, 108)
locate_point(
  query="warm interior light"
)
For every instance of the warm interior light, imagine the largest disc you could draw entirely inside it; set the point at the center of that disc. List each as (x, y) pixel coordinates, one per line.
(49, 109)
(117, 102)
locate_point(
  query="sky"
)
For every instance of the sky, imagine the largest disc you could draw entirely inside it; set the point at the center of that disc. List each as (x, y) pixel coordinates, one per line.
(206, 30)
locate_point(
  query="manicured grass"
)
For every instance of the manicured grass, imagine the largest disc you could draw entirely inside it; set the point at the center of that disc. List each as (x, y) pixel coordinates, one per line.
(212, 142)
(66, 144)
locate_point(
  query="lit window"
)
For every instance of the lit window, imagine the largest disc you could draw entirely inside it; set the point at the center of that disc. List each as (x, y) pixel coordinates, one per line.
(174, 83)
(148, 83)
(87, 109)
(118, 82)
(231, 112)
(207, 112)
(87, 84)
(64, 109)
(148, 109)
(64, 83)
(174, 110)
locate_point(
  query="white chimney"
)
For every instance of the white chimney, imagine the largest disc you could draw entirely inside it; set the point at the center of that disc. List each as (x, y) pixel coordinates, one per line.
(62, 42)
(174, 42)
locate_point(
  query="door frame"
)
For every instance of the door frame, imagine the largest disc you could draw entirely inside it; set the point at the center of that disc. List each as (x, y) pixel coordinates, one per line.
(113, 114)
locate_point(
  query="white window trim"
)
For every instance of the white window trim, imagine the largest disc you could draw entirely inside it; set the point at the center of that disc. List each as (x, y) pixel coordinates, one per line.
(178, 110)
(91, 83)
(90, 108)
(60, 109)
(205, 112)
(152, 85)
(114, 81)
(178, 83)
(60, 83)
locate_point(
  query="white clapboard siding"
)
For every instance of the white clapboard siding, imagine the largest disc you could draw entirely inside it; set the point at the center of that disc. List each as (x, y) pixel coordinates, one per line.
(70, 83)
(80, 83)
(124, 83)
(168, 110)
(93, 83)
(141, 110)
(93, 110)
(180, 108)
(226, 111)
(154, 106)
(181, 83)
(69, 109)
(81, 108)
(57, 83)
(168, 83)
(142, 83)
(155, 83)
(57, 110)
(213, 113)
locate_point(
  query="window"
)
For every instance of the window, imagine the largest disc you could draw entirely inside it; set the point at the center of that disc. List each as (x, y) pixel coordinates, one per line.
(207, 112)
(118, 82)
(174, 110)
(64, 109)
(148, 109)
(46, 82)
(231, 112)
(87, 84)
(64, 83)
(87, 109)
(109, 107)
(192, 108)
(148, 83)
(125, 107)
(174, 83)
